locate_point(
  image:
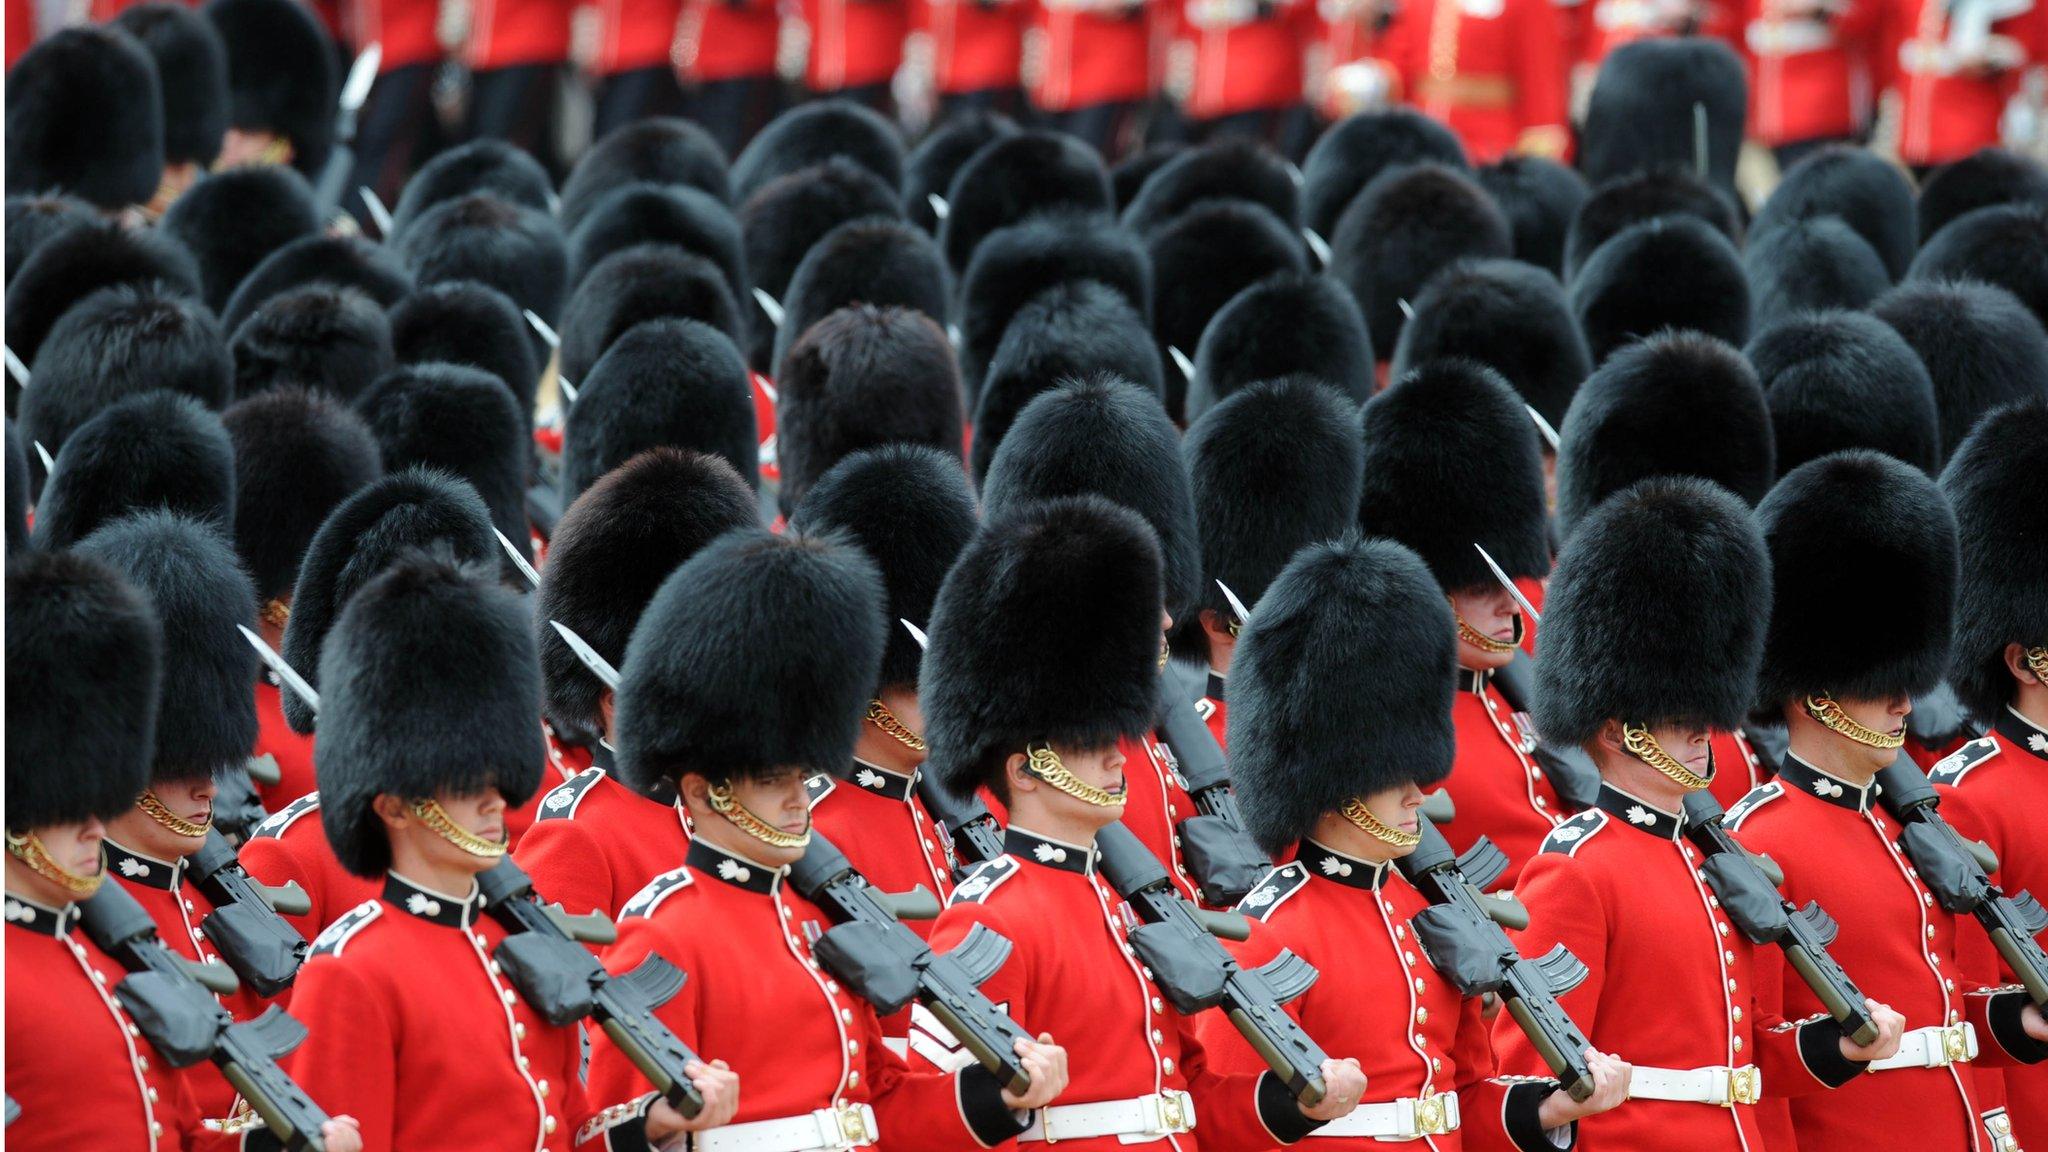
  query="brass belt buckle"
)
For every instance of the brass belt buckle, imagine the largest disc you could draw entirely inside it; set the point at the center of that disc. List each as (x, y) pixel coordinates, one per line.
(853, 1125)
(1172, 1112)
(1745, 1085)
(1431, 1117)
(1955, 1045)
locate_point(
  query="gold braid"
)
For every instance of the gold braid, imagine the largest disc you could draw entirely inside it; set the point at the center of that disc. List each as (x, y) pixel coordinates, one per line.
(1822, 707)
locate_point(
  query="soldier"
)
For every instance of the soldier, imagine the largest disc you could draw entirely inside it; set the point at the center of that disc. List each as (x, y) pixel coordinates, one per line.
(1496, 73)
(665, 383)
(977, 55)
(1283, 325)
(1644, 112)
(321, 336)
(1809, 83)
(634, 65)
(1652, 639)
(855, 49)
(1952, 73)
(516, 51)
(192, 74)
(282, 85)
(1812, 362)
(85, 117)
(782, 220)
(1833, 524)
(1248, 75)
(155, 450)
(1203, 257)
(1097, 70)
(232, 219)
(516, 248)
(115, 344)
(886, 263)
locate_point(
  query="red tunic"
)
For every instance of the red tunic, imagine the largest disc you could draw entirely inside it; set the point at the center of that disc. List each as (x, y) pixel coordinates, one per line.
(292, 847)
(854, 43)
(1092, 55)
(1495, 71)
(1945, 112)
(976, 44)
(506, 33)
(291, 752)
(178, 908)
(1245, 59)
(1497, 790)
(723, 41)
(1736, 770)
(598, 842)
(408, 29)
(1154, 804)
(634, 34)
(1808, 78)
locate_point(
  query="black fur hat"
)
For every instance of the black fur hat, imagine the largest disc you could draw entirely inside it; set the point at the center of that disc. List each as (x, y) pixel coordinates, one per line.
(1226, 169)
(1635, 197)
(1015, 177)
(1451, 460)
(1984, 178)
(759, 653)
(1980, 345)
(84, 664)
(154, 450)
(458, 714)
(1869, 193)
(813, 133)
(1127, 176)
(464, 322)
(32, 219)
(520, 251)
(497, 167)
(398, 513)
(192, 74)
(1046, 629)
(674, 383)
(780, 222)
(2006, 245)
(1404, 228)
(689, 218)
(85, 117)
(2000, 496)
(613, 548)
(1508, 315)
(1838, 380)
(1539, 196)
(1355, 150)
(81, 260)
(1627, 290)
(1104, 437)
(644, 282)
(887, 263)
(206, 717)
(661, 150)
(1655, 614)
(1203, 257)
(283, 74)
(860, 378)
(1675, 404)
(1856, 536)
(121, 342)
(16, 494)
(340, 261)
(461, 421)
(1287, 324)
(319, 336)
(1641, 113)
(1812, 264)
(931, 166)
(1017, 263)
(909, 508)
(298, 455)
(232, 219)
(1070, 331)
(1341, 687)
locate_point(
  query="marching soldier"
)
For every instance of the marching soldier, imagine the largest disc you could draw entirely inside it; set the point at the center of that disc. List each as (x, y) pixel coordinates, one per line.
(85, 117)
(192, 74)
(1248, 69)
(1494, 71)
(282, 86)
(185, 464)
(516, 51)
(1096, 69)
(635, 64)
(1810, 67)
(855, 48)
(977, 55)
(727, 53)
(1952, 71)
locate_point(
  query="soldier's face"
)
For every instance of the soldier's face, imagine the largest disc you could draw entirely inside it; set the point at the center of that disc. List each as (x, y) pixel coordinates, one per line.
(190, 800)
(1099, 767)
(777, 797)
(1492, 613)
(483, 815)
(1878, 715)
(1399, 809)
(73, 847)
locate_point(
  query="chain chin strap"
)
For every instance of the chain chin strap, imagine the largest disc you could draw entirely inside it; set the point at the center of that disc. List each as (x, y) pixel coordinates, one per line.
(178, 825)
(1644, 747)
(2037, 662)
(737, 814)
(1362, 818)
(1823, 708)
(276, 613)
(30, 851)
(436, 817)
(880, 716)
(1047, 766)
(1166, 653)
(1481, 640)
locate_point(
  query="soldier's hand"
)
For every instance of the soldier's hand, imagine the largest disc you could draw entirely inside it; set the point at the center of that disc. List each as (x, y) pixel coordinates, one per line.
(1610, 1088)
(342, 1134)
(1890, 1026)
(720, 1087)
(1343, 1088)
(1046, 1063)
(2034, 1022)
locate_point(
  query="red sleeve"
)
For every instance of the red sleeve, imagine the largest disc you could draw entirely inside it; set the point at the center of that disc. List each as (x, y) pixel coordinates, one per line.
(1541, 75)
(1564, 908)
(568, 868)
(348, 1061)
(933, 1111)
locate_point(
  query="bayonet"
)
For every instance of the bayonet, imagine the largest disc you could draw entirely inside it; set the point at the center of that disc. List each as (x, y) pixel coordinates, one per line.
(341, 160)
(43, 454)
(518, 561)
(547, 332)
(940, 209)
(770, 306)
(1543, 428)
(1501, 575)
(379, 214)
(285, 672)
(598, 665)
(916, 633)
(1181, 361)
(1243, 614)
(1317, 245)
(15, 367)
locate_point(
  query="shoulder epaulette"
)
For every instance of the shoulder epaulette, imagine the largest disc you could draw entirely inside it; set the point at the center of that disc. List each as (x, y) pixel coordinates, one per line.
(1957, 764)
(339, 933)
(982, 879)
(1757, 797)
(819, 787)
(274, 824)
(1269, 894)
(645, 901)
(1567, 838)
(561, 801)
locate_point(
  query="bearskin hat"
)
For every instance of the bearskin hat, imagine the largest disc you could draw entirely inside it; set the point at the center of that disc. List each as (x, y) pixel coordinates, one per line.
(1627, 291)
(688, 218)
(298, 454)
(231, 220)
(2006, 245)
(34, 219)
(1642, 111)
(206, 716)
(84, 664)
(1070, 331)
(121, 342)
(1014, 178)
(458, 714)
(1675, 404)
(887, 263)
(519, 251)
(1203, 257)
(1508, 315)
(1227, 169)
(16, 494)
(1355, 150)
(673, 383)
(1046, 629)
(283, 74)
(320, 336)
(1104, 437)
(1451, 460)
(1291, 323)
(1980, 345)
(1837, 380)
(862, 377)
(192, 73)
(644, 282)
(1637, 197)
(1401, 230)
(1539, 197)
(461, 421)
(931, 166)
(339, 261)
(814, 133)
(1855, 536)
(760, 652)
(464, 322)
(1813, 264)
(661, 150)
(155, 450)
(81, 260)
(1984, 178)
(1127, 176)
(1997, 488)
(779, 223)
(1869, 193)
(1341, 687)
(1017, 263)
(909, 508)
(487, 165)
(85, 117)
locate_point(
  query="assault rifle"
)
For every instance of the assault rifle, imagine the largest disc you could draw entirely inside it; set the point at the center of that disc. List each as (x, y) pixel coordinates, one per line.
(245, 925)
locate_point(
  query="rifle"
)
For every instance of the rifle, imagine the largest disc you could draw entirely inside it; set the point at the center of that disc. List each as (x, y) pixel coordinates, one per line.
(171, 1001)
(977, 837)
(1743, 883)
(544, 957)
(1950, 866)
(245, 924)
(1178, 943)
(1220, 854)
(1460, 935)
(870, 950)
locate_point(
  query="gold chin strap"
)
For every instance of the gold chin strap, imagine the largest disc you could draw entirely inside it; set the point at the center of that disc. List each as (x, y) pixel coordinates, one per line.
(436, 817)
(1355, 811)
(178, 825)
(1047, 766)
(738, 815)
(1644, 747)
(1823, 708)
(1166, 653)
(30, 851)
(2037, 662)
(1480, 640)
(277, 613)
(880, 716)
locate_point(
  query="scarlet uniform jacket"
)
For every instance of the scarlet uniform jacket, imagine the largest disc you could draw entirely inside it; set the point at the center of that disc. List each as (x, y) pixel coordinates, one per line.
(1672, 983)
(1806, 74)
(1502, 86)
(1093, 55)
(1498, 791)
(854, 43)
(1945, 112)
(291, 752)
(291, 847)
(976, 46)
(1155, 802)
(598, 842)
(508, 33)
(408, 30)
(1378, 999)
(1245, 60)
(720, 40)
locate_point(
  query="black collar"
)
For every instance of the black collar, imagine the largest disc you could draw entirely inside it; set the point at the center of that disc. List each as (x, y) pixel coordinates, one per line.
(431, 906)
(1641, 815)
(1339, 868)
(1799, 776)
(2022, 733)
(147, 871)
(40, 918)
(882, 782)
(732, 868)
(1472, 680)
(1216, 680)
(1027, 845)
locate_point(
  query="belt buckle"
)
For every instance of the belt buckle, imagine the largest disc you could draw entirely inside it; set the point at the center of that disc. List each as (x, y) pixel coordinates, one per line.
(1955, 1045)
(1745, 1085)
(1173, 1112)
(1432, 1116)
(852, 1123)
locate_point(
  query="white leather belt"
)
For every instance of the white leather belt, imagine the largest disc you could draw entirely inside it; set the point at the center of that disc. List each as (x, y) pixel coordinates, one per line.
(1718, 1084)
(1932, 1048)
(1130, 1121)
(826, 1130)
(1409, 1118)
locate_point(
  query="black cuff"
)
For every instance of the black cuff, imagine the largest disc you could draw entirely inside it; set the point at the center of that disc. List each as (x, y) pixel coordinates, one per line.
(1820, 1047)
(988, 1119)
(1280, 1112)
(2002, 1013)
(1519, 1115)
(630, 1135)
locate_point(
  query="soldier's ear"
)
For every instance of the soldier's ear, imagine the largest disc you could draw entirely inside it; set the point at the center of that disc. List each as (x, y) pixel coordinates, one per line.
(1017, 773)
(2016, 663)
(607, 704)
(395, 812)
(1610, 738)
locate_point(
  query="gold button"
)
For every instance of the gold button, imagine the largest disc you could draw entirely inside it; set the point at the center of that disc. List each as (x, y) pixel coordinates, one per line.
(479, 937)
(1954, 1016)
(495, 970)
(853, 1046)
(508, 995)
(1166, 1066)
(1723, 928)
(1436, 1064)
(1407, 957)
(1422, 1015)
(1157, 1036)
(846, 1015)
(1158, 1005)
(519, 1031)
(151, 1093)
(1738, 1043)
(1930, 931)
(1418, 983)
(1400, 932)
(853, 1079)
(1731, 985)
(523, 1062)
(548, 1126)
(156, 1130)
(1713, 901)
(142, 1063)
(1540, 803)
(1736, 1015)
(541, 1087)
(1728, 956)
